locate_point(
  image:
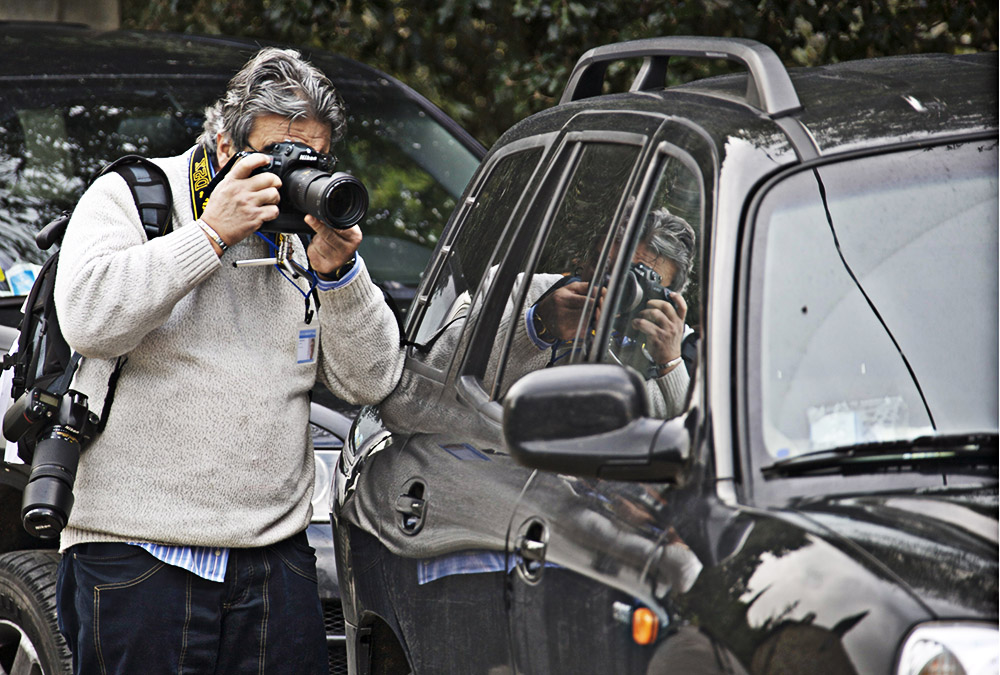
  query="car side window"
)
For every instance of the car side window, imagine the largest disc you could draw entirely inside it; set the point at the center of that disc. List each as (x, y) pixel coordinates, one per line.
(475, 245)
(551, 309)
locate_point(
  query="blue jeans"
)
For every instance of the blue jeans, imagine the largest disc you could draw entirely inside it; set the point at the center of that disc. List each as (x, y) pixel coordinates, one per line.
(123, 611)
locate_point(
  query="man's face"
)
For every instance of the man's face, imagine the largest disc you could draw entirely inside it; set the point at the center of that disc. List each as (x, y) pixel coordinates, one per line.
(662, 266)
(268, 129)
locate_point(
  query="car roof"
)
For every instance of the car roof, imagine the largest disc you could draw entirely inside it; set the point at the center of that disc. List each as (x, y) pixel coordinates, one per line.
(51, 52)
(842, 107)
(853, 104)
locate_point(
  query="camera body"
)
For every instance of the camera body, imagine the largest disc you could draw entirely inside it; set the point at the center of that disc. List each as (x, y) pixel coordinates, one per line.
(51, 431)
(642, 284)
(309, 185)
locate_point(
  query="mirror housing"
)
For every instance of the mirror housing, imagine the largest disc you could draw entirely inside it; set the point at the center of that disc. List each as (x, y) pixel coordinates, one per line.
(591, 420)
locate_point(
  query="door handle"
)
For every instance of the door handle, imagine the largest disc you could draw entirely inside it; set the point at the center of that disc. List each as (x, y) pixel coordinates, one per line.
(411, 507)
(530, 549)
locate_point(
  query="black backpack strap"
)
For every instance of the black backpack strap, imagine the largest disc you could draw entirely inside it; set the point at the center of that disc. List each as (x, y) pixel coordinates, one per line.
(150, 190)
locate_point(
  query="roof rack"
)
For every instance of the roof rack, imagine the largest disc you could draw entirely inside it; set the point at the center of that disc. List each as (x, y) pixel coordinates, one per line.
(769, 88)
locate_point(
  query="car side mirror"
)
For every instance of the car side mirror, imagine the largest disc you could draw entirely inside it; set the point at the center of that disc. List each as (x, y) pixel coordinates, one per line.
(591, 420)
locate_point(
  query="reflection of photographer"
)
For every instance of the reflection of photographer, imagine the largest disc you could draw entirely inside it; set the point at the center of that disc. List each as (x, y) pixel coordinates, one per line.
(193, 501)
(651, 322)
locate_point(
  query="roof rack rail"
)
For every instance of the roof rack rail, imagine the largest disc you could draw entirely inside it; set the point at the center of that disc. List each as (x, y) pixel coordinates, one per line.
(769, 88)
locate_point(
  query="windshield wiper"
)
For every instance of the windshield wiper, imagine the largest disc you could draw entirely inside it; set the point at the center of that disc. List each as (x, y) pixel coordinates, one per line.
(946, 449)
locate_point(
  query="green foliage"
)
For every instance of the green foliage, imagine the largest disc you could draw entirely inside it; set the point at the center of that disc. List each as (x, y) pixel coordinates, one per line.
(490, 63)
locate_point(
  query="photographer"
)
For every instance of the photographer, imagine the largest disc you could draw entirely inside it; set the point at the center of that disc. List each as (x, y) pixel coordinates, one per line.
(186, 548)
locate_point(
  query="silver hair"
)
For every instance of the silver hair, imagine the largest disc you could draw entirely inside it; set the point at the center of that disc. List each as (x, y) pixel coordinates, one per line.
(671, 237)
(274, 82)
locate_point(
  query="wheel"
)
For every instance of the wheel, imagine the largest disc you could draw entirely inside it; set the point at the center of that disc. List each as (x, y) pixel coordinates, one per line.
(30, 643)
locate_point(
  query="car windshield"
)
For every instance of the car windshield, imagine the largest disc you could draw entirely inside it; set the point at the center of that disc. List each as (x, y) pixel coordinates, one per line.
(875, 280)
(56, 135)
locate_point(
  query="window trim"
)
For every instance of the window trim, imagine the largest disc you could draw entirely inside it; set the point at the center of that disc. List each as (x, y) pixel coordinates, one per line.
(421, 301)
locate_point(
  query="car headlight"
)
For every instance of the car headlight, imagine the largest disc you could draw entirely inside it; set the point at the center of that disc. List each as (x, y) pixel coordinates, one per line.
(950, 648)
(326, 460)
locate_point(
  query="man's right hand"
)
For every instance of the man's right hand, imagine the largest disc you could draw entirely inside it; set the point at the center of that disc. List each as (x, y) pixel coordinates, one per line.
(241, 203)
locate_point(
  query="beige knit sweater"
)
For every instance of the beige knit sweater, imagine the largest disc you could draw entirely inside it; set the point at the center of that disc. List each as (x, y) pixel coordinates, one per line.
(207, 441)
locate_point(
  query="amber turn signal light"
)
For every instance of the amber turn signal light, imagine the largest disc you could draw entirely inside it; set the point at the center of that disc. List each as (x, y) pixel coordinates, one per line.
(645, 626)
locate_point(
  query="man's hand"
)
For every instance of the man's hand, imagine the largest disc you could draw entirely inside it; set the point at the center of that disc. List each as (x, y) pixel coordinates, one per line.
(331, 248)
(560, 311)
(663, 325)
(241, 203)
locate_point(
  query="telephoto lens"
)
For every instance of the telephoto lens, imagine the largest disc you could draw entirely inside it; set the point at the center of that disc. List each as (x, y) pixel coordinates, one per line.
(48, 496)
(339, 200)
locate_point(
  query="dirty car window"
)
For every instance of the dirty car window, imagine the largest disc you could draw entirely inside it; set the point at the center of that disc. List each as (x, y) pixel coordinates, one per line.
(879, 302)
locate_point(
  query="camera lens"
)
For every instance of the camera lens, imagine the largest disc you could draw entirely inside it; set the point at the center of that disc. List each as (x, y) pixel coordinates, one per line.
(48, 496)
(632, 296)
(340, 200)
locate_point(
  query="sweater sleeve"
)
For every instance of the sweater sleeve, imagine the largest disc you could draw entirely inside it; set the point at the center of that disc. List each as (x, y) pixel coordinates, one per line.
(112, 285)
(668, 393)
(360, 355)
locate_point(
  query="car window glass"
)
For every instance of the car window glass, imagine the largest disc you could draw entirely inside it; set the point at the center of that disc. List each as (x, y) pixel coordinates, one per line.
(878, 304)
(474, 246)
(553, 323)
(662, 270)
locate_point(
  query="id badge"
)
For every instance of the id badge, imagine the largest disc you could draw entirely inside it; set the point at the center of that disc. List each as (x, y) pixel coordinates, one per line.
(308, 344)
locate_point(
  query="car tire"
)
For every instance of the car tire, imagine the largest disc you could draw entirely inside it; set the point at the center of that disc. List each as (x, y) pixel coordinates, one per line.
(29, 633)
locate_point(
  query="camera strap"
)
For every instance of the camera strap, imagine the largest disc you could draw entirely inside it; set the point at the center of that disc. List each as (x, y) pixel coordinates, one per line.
(202, 179)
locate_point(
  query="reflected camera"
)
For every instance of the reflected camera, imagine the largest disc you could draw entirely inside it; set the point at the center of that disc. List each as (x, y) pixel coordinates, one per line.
(642, 284)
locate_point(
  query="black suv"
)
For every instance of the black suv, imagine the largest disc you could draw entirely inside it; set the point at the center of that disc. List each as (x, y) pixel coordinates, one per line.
(820, 496)
(73, 99)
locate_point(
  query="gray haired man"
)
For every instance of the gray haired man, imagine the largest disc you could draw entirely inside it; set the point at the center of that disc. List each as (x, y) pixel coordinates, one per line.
(186, 550)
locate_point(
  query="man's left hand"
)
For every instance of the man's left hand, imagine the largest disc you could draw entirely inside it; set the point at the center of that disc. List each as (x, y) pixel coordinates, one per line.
(331, 248)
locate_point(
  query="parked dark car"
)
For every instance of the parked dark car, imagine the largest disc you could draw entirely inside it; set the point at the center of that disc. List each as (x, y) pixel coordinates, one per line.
(72, 100)
(826, 500)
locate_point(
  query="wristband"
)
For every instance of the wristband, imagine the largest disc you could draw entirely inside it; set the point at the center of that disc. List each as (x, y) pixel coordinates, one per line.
(213, 235)
(341, 271)
(669, 364)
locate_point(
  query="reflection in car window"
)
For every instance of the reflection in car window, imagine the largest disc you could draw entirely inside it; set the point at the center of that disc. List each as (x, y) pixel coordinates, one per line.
(669, 234)
(553, 324)
(475, 243)
(879, 306)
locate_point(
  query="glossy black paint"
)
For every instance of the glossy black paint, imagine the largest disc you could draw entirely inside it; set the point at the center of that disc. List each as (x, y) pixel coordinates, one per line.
(537, 571)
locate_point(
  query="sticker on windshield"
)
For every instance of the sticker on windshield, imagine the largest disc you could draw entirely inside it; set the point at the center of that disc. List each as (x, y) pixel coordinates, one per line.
(853, 422)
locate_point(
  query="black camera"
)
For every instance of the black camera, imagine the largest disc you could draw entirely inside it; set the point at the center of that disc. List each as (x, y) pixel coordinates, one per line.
(51, 431)
(642, 284)
(308, 186)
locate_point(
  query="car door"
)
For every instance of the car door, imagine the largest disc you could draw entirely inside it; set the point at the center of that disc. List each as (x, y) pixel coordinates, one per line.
(432, 496)
(592, 559)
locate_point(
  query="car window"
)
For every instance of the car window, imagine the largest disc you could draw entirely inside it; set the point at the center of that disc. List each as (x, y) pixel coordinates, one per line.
(54, 137)
(475, 245)
(551, 308)
(663, 265)
(876, 283)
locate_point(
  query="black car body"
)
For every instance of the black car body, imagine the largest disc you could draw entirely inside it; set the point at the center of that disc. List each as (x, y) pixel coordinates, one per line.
(74, 99)
(827, 500)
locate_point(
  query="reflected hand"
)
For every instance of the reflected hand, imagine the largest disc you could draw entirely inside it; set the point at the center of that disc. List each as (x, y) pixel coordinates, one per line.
(663, 326)
(560, 311)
